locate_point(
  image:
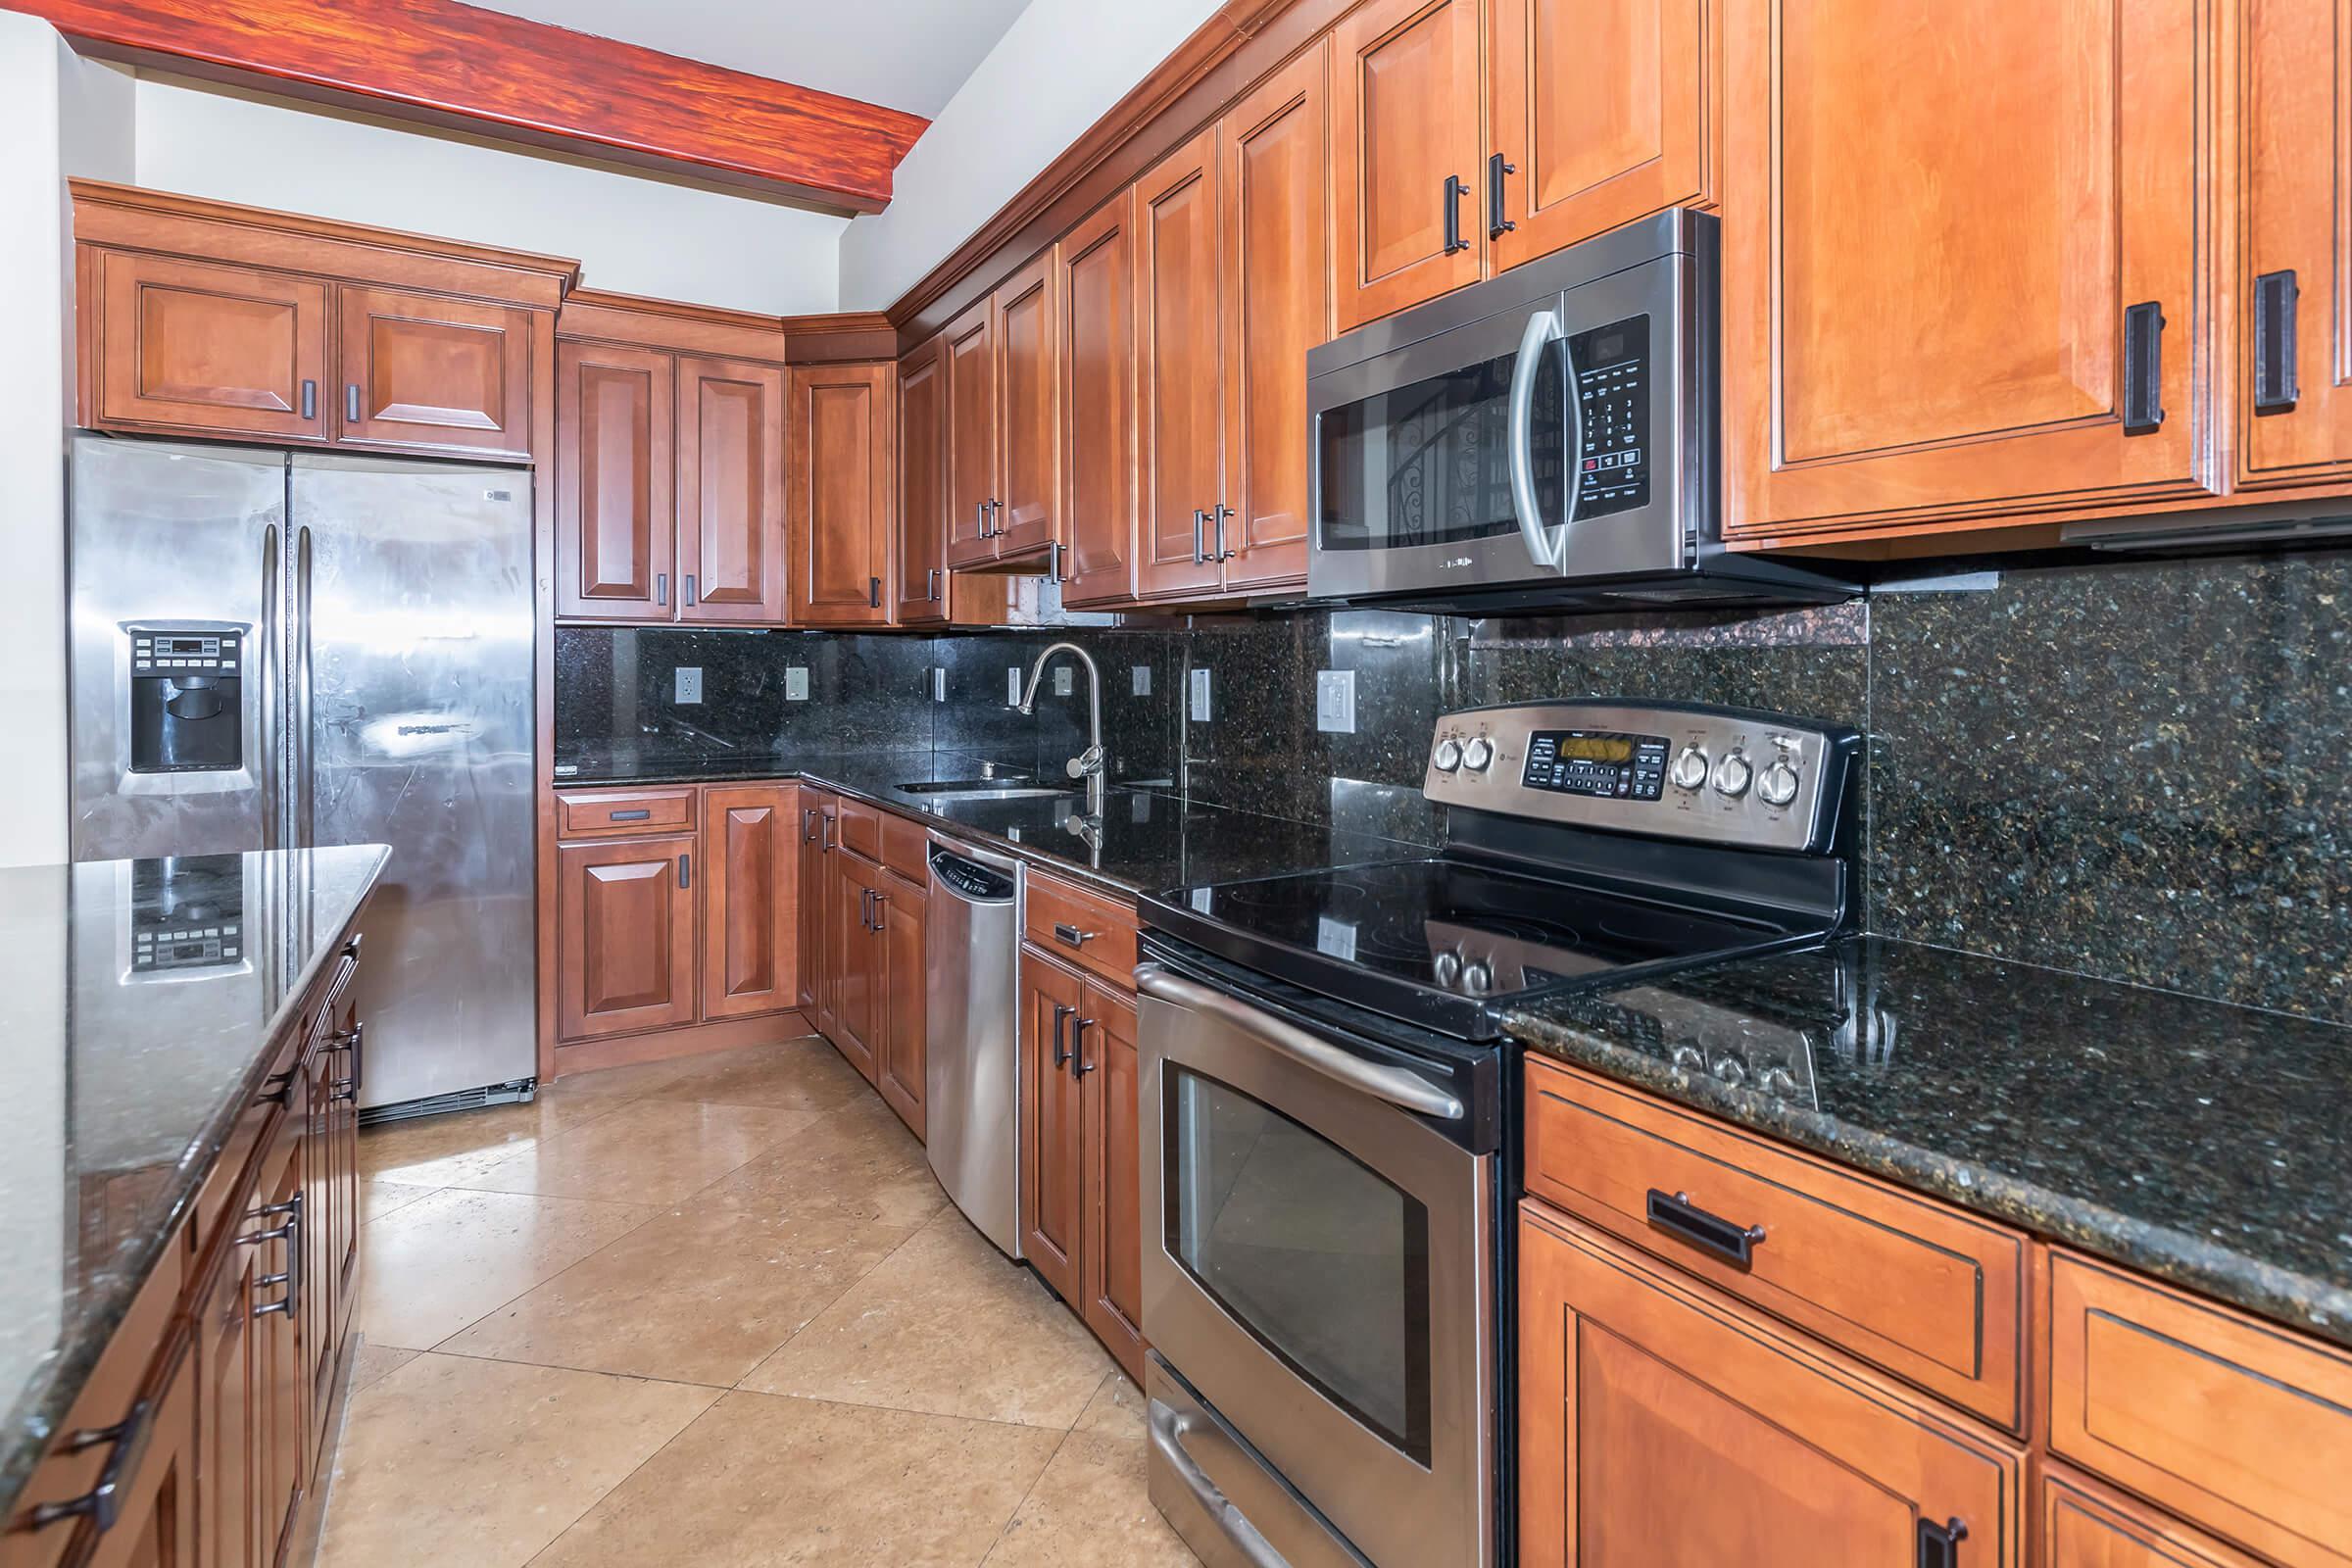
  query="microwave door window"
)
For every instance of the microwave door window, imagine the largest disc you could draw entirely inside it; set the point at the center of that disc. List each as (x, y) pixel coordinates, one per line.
(1429, 464)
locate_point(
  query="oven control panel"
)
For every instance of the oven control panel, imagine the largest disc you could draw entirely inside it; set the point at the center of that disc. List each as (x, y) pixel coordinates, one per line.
(1725, 775)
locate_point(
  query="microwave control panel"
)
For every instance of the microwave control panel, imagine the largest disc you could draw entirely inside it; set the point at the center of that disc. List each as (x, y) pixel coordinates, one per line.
(1613, 368)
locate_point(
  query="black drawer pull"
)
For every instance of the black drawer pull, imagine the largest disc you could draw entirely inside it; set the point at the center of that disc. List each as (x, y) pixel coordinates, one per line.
(103, 1502)
(351, 402)
(1062, 1036)
(641, 814)
(309, 400)
(1079, 1067)
(1072, 936)
(685, 873)
(2144, 368)
(2275, 295)
(1675, 1215)
(1940, 1545)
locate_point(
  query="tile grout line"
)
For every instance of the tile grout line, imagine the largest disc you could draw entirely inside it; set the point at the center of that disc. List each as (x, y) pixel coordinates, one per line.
(833, 1303)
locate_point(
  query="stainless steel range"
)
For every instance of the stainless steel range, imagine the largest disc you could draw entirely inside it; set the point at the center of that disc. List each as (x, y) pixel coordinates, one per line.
(1327, 1104)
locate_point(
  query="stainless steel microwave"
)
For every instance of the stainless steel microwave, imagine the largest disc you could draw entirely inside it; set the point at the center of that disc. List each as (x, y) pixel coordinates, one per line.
(1545, 438)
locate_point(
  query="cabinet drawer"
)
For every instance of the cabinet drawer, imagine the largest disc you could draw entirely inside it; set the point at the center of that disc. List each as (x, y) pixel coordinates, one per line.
(2084, 1525)
(614, 813)
(906, 847)
(861, 829)
(2233, 1424)
(1092, 931)
(1923, 1290)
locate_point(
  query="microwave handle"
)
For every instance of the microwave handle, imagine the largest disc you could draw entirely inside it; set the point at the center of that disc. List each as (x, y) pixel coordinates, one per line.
(1542, 329)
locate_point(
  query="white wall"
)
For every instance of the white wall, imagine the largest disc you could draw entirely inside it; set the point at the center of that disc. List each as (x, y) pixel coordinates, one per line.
(1055, 73)
(635, 233)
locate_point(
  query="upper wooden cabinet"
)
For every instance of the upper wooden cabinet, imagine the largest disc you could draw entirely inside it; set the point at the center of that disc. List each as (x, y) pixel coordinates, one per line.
(1180, 394)
(843, 473)
(1916, 337)
(615, 436)
(969, 349)
(1597, 114)
(1028, 519)
(225, 350)
(1097, 284)
(730, 491)
(424, 373)
(920, 569)
(1407, 155)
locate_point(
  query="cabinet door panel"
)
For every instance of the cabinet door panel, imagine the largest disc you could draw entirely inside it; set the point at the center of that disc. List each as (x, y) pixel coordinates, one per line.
(1112, 1302)
(1601, 106)
(1663, 1423)
(157, 1526)
(899, 1053)
(843, 473)
(2085, 1524)
(202, 347)
(972, 353)
(616, 420)
(751, 892)
(423, 371)
(624, 915)
(1180, 393)
(1028, 410)
(1405, 116)
(1987, 372)
(2295, 97)
(730, 491)
(1053, 1126)
(919, 571)
(815, 908)
(855, 959)
(1277, 306)
(1098, 412)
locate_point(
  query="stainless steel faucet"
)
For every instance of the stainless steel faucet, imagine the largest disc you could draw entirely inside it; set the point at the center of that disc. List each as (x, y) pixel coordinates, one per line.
(1088, 764)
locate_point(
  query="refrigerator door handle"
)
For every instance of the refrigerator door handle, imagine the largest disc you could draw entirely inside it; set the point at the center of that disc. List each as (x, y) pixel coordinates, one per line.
(299, 734)
(272, 726)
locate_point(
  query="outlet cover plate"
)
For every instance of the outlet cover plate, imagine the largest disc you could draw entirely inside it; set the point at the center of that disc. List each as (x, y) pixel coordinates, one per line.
(1012, 687)
(796, 683)
(1200, 696)
(1063, 680)
(689, 683)
(938, 683)
(1335, 702)
(1143, 680)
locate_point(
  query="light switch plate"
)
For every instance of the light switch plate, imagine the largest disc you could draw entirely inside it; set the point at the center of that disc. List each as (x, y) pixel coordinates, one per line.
(938, 683)
(1200, 696)
(690, 683)
(1012, 687)
(1335, 701)
(796, 683)
(1143, 680)
(1062, 680)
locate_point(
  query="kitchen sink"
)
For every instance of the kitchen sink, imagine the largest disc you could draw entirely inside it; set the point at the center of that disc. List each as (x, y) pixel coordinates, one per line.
(988, 789)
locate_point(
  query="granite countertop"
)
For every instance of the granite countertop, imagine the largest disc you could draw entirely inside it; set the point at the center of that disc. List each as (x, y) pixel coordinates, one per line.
(2206, 1143)
(1149, 838)
(120, 1083)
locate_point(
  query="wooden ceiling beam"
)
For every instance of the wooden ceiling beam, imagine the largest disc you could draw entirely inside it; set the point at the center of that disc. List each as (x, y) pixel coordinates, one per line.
(462, 68)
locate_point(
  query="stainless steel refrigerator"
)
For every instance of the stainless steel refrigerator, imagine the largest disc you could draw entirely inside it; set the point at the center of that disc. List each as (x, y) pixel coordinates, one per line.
(276, 649)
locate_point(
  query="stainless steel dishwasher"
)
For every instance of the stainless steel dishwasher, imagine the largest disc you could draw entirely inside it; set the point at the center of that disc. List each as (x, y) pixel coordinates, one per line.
(971, 1037)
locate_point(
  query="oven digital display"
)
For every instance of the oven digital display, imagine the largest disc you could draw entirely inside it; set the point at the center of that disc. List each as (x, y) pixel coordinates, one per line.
(1596, 762)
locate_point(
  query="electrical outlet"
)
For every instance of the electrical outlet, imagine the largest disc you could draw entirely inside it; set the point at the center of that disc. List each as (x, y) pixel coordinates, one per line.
(1335, 701)
(1012, 687)
(939, 684)
(796, 683)
(1063, 679)
(690, 683)
(1143, 680)
(1200, 696)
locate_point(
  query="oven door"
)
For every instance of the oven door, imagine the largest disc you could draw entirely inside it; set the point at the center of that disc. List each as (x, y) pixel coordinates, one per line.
(1316, 1266)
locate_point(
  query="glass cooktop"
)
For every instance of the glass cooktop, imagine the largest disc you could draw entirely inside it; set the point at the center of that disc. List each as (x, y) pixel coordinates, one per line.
(1440, 940)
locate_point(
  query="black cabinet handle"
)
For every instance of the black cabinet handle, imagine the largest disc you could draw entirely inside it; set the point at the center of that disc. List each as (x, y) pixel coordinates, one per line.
(1498, 225)
(980, 518)
(1079, 1067)
(280, 1087)
(351, 402)
(931, 584)
(808, 817)
(353, 1040)
(291, 1278)
(1940, 1543)
(661, 588)
(873, 592)
(881, 917)
(1072, 936)
(1061, 1030)
(826, 832)
(2275, 295)
(1675, 1215)
(685, 873)
(2144, 368)
(1456, 190)
(639, 816)
(103, 1502)
(689, 600)
(309, 400)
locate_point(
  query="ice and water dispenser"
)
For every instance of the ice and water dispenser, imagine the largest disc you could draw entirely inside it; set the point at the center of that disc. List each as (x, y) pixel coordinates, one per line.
(185, 705)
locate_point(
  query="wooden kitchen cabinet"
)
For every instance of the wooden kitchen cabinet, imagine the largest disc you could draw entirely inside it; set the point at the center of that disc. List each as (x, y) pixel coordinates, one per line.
(730, 491)
(901, 918)
(854, 962)
(1406, 157)
(626, 937)
(1180, 379)
(920, 569)
(1095, 281)
(423, 371)
(2082, 1524)
(615, 497)
(1910, 356)
(1028, 410)
(1111, 1260)
(1053, 1197)
(209, 349)
(817, 840)
(968, 348)
(750, 885)
(843, 473)
(1598, 111)
(1661, 1422)
(331, 1196)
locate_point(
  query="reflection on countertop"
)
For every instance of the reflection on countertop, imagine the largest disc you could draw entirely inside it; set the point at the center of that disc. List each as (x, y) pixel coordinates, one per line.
(2206, 1143)
(139, 1000)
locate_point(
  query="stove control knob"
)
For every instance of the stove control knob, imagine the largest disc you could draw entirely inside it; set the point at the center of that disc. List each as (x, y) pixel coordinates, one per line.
(1778, 786)
(1778, 1082)
(1449, 967)
(1733, 775)
(1477, 755)
(1690, 768)
(1732, 1070)
(1477, 978)
(1449, 754)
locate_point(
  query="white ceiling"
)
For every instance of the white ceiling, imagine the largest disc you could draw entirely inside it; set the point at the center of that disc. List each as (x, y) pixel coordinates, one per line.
(906, 54)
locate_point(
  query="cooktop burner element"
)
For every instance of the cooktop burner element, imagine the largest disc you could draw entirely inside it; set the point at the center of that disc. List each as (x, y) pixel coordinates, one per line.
(1588, 843)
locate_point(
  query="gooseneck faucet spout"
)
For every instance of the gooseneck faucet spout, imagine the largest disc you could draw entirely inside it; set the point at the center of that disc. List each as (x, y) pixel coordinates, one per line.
(1088, 764)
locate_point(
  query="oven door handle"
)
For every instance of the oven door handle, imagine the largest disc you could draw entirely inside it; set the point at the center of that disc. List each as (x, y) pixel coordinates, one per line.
(1407, 1091)
(1168, 1426)
(1544, 329)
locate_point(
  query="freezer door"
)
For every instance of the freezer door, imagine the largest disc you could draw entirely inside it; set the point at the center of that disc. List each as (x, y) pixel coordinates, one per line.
(183, 537)
(409, 679)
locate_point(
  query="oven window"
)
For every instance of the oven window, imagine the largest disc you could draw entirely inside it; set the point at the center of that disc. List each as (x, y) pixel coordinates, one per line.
(1430, 464)
(1321, 1259)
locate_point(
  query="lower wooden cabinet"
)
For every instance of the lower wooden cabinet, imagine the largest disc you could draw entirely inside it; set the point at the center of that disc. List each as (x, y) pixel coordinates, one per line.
(819, 833)
(851, 960)
(156, 1525)
(901, 919)
(2082, 1524)
(1053, 1124)
(751, 892)
(1663, 1422)
(625, 929)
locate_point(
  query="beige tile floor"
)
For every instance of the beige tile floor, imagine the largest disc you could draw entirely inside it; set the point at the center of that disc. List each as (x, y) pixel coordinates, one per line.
(715, 1311)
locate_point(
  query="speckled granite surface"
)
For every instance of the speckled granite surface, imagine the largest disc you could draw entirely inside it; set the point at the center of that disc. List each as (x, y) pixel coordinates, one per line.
(2206, 1143)
(118, 1087)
